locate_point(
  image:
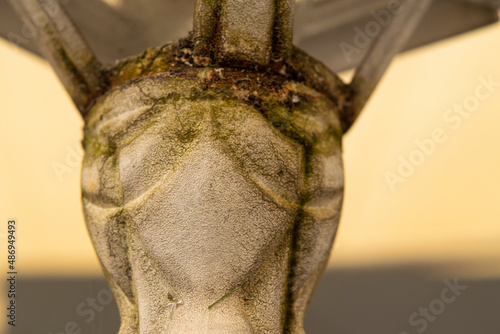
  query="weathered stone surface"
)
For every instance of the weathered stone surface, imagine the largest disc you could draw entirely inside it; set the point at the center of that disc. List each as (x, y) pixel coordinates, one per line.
(212, 197)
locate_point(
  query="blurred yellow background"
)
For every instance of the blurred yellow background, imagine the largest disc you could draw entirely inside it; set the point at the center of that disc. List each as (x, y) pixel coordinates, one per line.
(447, 213)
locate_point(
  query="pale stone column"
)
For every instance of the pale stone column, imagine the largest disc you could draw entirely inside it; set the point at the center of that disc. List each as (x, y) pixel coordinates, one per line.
(240, 32)
(212, 195)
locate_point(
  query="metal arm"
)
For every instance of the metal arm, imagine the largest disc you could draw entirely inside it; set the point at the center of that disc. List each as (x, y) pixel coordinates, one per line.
(390, 42)
(64, 47)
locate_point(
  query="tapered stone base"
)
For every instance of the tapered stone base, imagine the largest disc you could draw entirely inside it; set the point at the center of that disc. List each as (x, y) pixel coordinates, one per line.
(212, 197)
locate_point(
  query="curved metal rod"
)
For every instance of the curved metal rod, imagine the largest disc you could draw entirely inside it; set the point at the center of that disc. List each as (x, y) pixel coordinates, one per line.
(63, 46)
(405, 19)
